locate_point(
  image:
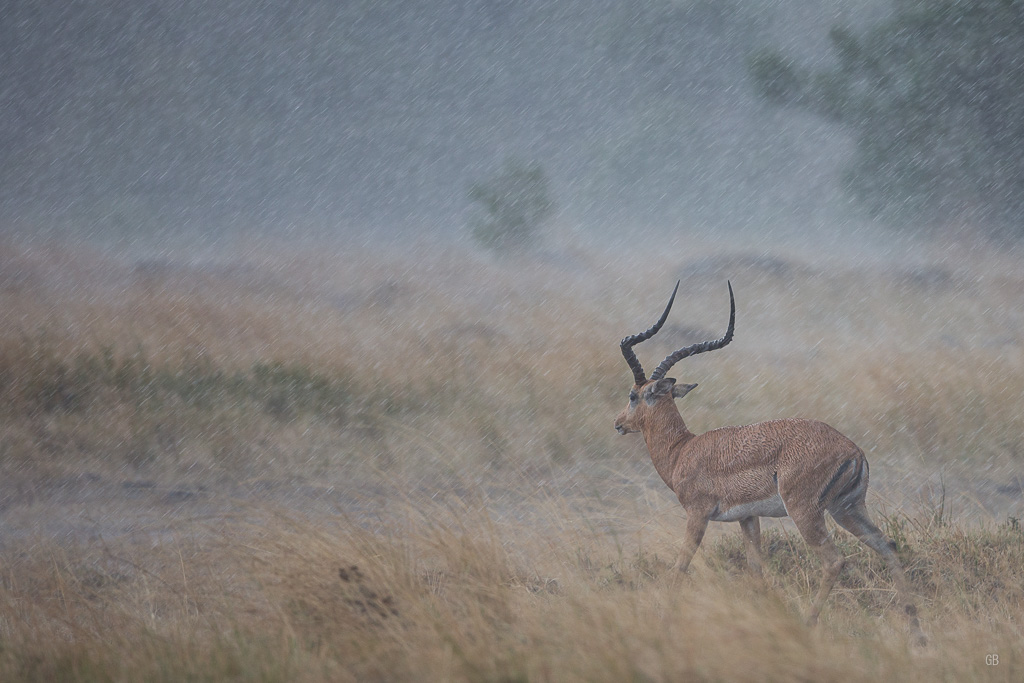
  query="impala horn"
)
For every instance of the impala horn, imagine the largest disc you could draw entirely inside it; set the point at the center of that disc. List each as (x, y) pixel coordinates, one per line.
(628, 343)
(694, 349)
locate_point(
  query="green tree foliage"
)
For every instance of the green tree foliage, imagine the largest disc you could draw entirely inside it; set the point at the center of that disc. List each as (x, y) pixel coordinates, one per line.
(934, 99)
(514, 205)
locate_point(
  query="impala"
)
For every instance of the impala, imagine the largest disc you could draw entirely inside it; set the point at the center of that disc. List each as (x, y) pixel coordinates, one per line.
(793, 467)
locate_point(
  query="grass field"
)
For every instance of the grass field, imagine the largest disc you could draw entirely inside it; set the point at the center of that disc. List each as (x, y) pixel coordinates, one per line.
(282, 463)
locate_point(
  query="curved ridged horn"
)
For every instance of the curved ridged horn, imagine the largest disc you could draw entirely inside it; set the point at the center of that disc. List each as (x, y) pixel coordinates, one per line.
(627, 344)
(677, 356)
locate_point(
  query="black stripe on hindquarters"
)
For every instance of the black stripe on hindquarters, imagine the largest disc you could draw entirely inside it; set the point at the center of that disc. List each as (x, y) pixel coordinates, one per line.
(835, 480)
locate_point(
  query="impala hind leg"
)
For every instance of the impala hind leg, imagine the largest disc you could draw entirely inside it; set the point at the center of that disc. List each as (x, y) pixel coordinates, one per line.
(751, 527)
(696, 525)
(812, 528)
(857, 521)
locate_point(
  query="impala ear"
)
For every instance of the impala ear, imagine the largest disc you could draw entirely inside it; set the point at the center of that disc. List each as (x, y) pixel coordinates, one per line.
(659, 389)
(682, 390)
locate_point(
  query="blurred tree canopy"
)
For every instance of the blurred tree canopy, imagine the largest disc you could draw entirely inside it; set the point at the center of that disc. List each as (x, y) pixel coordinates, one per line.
(934, 99)
(514, 204)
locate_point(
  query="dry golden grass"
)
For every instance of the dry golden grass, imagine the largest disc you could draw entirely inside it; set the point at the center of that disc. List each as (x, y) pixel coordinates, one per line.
(449, 592)
(195, 454)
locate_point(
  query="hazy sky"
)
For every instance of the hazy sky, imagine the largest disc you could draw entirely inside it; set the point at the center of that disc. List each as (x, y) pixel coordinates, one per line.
(148, 116)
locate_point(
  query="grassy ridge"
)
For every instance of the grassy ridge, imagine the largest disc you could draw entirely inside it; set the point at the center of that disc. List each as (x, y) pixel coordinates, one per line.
(454, 417)
(515, 363)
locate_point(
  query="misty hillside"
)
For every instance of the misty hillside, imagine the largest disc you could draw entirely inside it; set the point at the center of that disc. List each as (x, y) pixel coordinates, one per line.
(146, 116)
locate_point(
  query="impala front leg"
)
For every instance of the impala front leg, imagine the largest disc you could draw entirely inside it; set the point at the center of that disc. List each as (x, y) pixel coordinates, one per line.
(696, 525)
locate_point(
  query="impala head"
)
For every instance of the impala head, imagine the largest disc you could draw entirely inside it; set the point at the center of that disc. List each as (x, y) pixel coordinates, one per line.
(648, 393)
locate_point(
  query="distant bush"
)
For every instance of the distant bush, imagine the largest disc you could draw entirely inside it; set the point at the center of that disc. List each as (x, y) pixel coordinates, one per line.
(49, 383)
(933, 98)
(515, 203)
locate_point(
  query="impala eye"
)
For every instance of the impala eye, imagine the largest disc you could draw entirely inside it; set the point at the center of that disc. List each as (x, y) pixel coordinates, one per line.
(633, 397)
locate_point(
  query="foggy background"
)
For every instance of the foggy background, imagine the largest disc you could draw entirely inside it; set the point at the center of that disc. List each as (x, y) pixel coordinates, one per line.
(133, 118)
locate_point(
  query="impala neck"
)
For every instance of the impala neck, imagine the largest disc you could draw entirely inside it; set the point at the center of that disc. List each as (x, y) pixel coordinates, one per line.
(665, 433)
